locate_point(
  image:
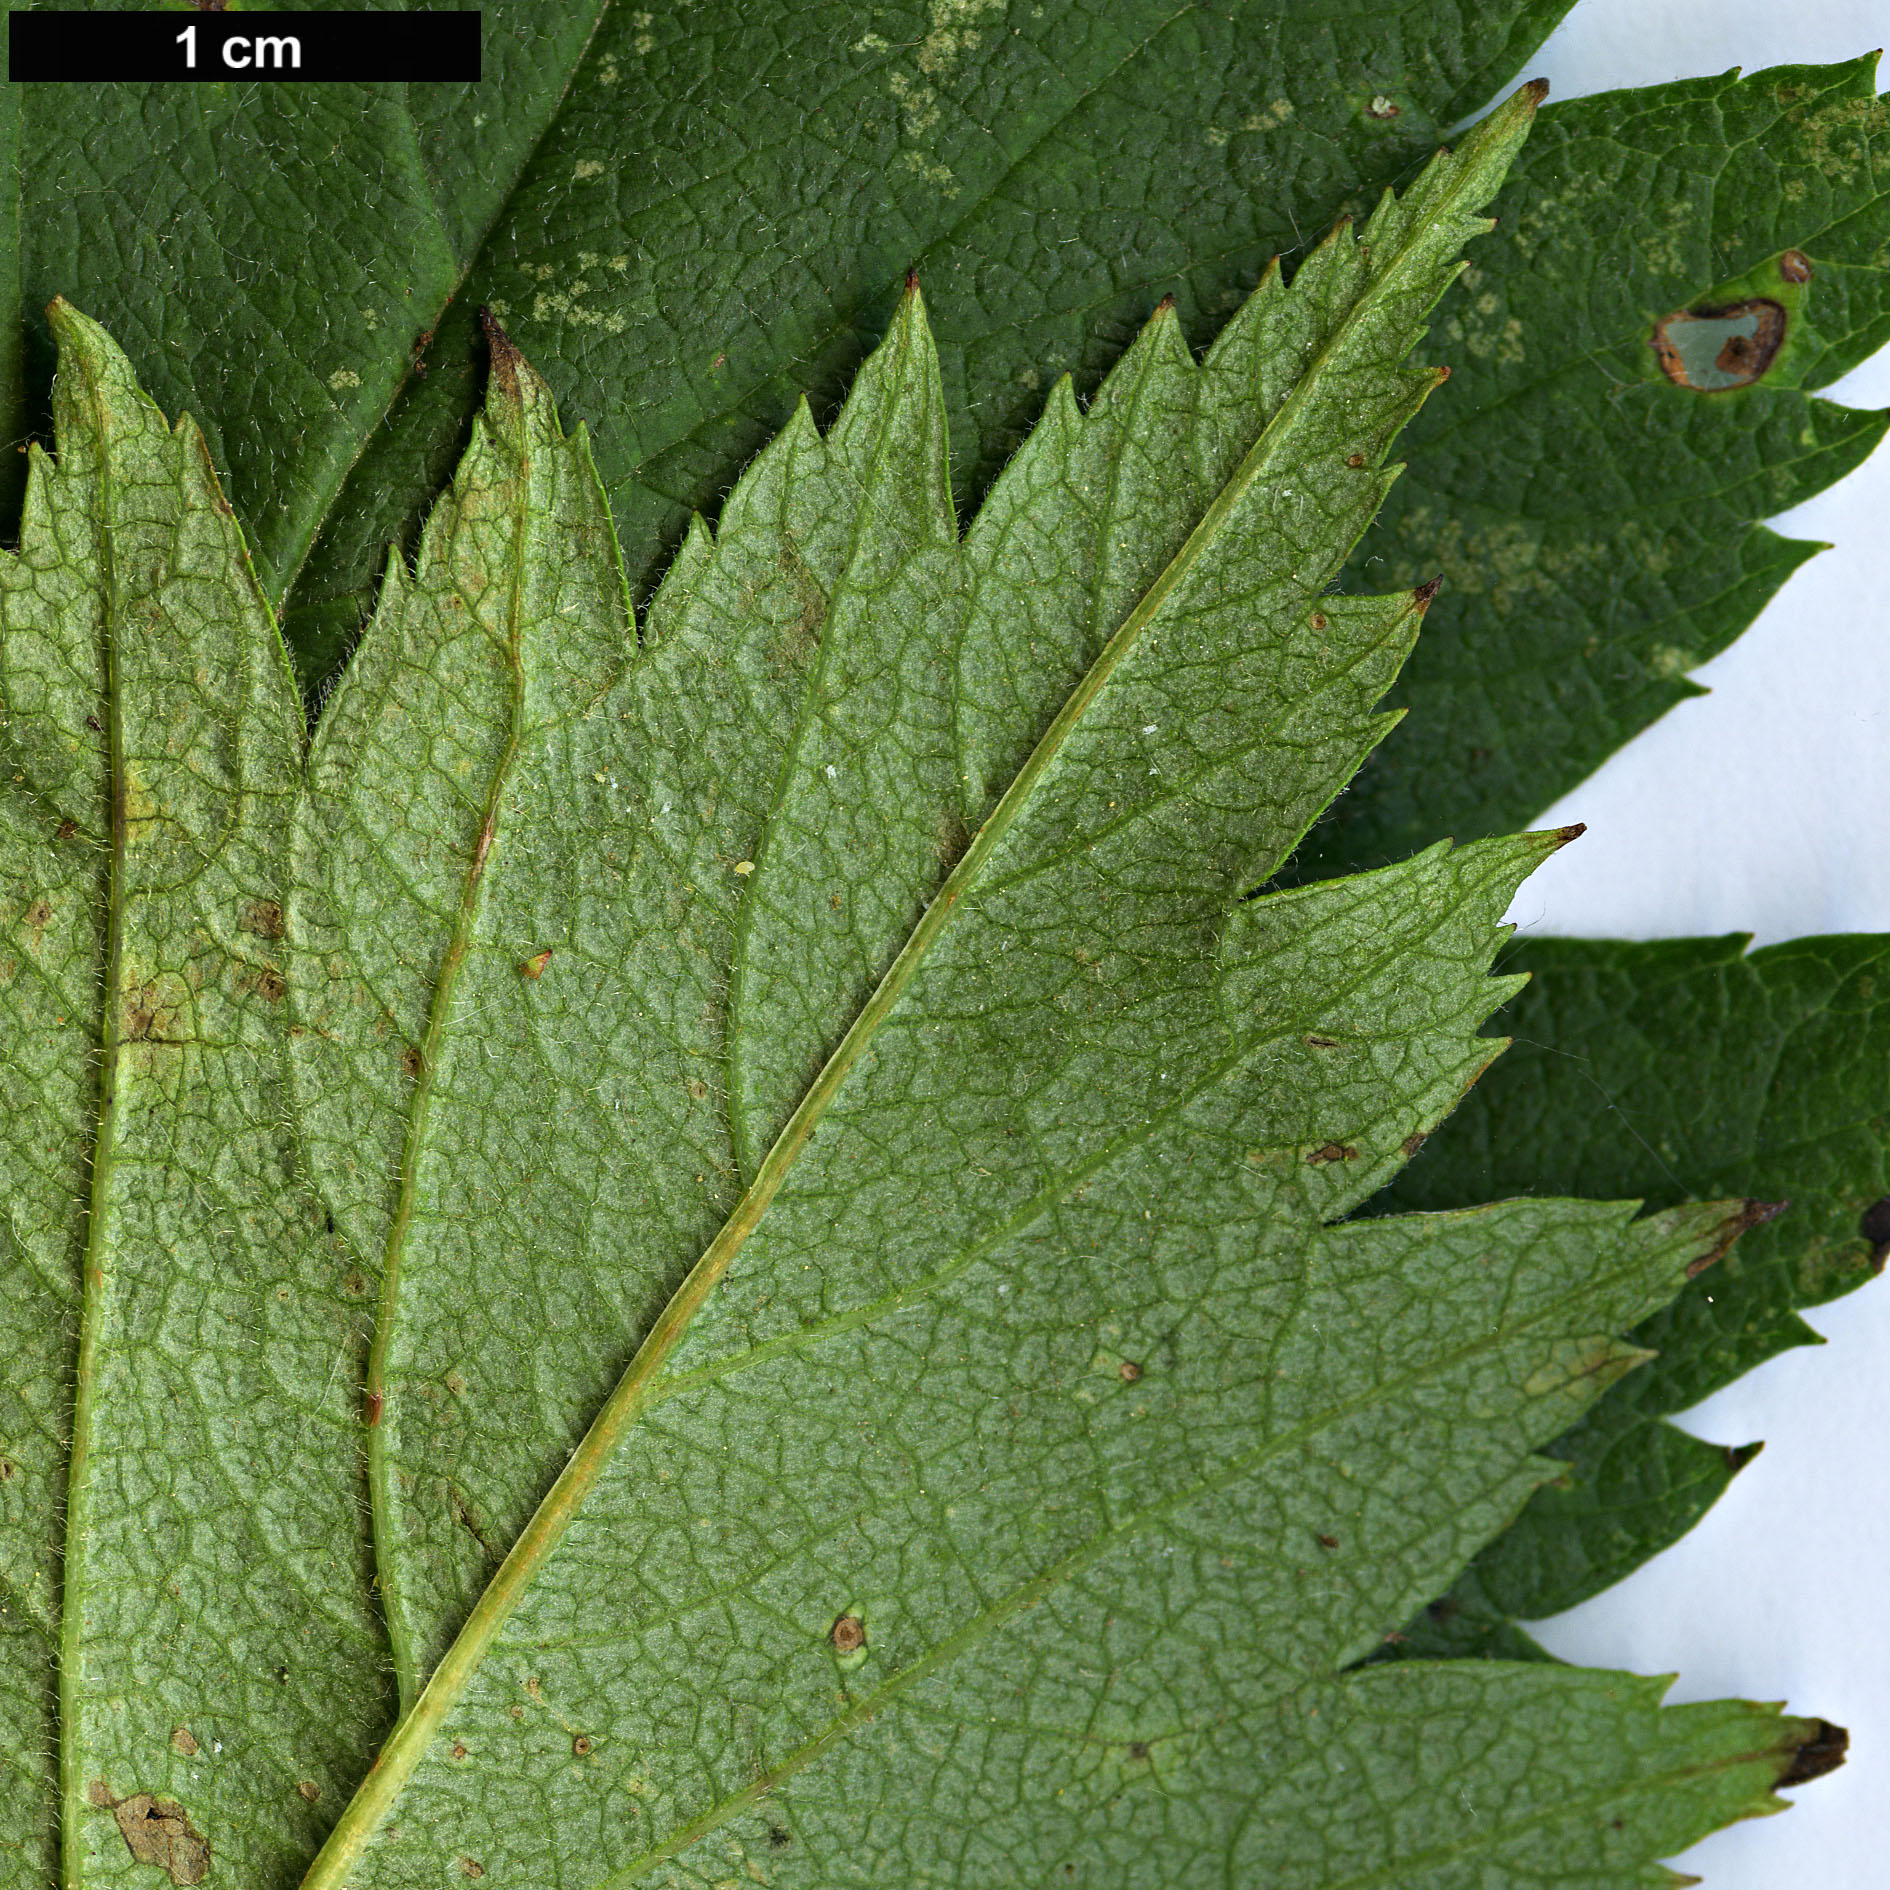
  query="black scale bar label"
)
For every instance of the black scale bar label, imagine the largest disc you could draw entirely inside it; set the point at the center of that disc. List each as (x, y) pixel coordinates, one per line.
(215, 48)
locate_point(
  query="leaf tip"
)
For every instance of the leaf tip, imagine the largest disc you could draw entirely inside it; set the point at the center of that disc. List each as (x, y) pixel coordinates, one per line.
(1532, 92)
(1748, 1215)
(1822, 1749)
(506, 358)
(1421, 597)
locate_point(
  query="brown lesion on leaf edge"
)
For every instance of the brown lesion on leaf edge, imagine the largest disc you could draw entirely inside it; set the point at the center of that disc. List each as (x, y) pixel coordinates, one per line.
(1823, 1750)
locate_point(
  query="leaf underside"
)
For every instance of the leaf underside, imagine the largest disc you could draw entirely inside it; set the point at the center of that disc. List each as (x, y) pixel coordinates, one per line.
(791, 1145)
(641, 198)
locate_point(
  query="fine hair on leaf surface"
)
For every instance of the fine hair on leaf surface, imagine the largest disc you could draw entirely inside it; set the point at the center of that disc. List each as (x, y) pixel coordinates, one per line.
(725, 1254)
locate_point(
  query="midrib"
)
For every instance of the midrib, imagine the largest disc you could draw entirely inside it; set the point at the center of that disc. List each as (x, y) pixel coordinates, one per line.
(72, 1799)
(541, 1535)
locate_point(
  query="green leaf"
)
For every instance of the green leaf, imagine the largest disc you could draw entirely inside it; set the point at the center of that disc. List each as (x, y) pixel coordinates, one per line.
(750, 1004)
(687, 235)
(1025, 1448)
(1596, 525)
(1661, 1071)
(180, 1558)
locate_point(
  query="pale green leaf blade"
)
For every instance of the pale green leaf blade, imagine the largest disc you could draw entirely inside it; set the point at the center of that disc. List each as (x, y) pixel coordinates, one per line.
(1027, 1415)
(184, 1418)
(515, 834)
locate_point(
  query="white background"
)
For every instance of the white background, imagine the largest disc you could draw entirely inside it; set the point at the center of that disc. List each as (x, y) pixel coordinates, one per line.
(1763, 807)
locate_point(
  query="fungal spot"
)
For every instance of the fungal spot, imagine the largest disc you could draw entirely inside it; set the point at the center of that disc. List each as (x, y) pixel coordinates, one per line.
(308, 1789)
(1325, 1541)
(410, 1062)
(472, 1867)
(1713, 349)
(353, 1284)
(849, 1634)
(581, 1745)
(263, 917)
(459, 1748)
(1331, 1152)
(8, 1470)
(778, 1839)
(1138, 1749)
(1875, 1228)
(534, 967)
(1318, 620)
(1795, 266)
(184, 1742)
(271, 984)
(1823, 1751)
(38, 914)
(1355, 460)
(1411, 1145)
(1128, 1371)
(697, 1088)
(157, 1831)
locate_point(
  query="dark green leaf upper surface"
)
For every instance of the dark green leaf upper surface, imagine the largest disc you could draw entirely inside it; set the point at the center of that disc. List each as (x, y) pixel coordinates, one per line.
(1597, 525)
(1662, 1071)
(691, 217)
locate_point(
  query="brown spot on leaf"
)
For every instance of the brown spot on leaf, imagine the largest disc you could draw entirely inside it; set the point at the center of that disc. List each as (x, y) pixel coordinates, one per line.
(1128, 1371)
(1138, 1748)
(697, 1088)
(534, 967)
(1712, 350)
(1322, 1043)
(459, 1748)
(1355, 460)
(1749, 1215)
(1422, 596)
(1875, 1228)
(184, 1741)
(66, 829)
(849, 1634)
(271, 984)
(38, 914)
(472, 1867)
(1325, 1541)
(308, 1789)
(778, 1839)
(100, 1794)
(157, 1831)
(1821, 1751)
(1318, 620)
(1331, 1152)
(1411, 1145)
(8, 1470)
(1795, 266)
(263, 917)
(410, 1062)
(581, 1745)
